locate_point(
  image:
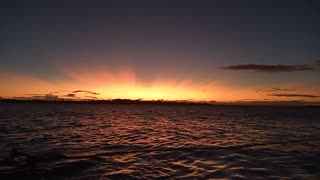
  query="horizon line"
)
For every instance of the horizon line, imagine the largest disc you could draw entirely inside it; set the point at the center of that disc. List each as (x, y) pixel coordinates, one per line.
(161, 101)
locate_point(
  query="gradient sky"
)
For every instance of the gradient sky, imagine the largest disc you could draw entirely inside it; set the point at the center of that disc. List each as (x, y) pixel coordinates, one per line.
(227, 50)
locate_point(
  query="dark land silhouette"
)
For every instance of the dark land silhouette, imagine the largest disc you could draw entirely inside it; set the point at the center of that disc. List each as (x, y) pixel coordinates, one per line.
(163, 102)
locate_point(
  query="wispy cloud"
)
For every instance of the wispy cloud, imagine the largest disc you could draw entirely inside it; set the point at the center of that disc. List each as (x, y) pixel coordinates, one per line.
(92, 97)
(269, 68)
(273, 90)
(295, 95)
(70, 95)
(43, 96)
(84, 91)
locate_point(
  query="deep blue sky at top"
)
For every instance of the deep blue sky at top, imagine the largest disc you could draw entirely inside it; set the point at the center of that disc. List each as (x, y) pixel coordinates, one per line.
(177, 37)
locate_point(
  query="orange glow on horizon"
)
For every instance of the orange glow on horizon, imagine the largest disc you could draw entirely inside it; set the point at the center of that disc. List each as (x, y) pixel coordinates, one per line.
(125, 84)
(151, 93)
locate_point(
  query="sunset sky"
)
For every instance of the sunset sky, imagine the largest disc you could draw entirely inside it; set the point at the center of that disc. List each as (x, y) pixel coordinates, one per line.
(227, 50)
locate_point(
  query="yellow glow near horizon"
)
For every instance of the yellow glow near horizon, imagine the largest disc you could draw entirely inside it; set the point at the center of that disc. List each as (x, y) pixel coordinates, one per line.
(122, 84)
(151, 93)
(125, 85)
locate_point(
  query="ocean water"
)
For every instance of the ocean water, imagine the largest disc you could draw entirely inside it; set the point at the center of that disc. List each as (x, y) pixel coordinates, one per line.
(100, 141)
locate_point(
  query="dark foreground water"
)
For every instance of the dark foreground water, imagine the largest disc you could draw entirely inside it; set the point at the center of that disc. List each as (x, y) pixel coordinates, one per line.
(86, 141)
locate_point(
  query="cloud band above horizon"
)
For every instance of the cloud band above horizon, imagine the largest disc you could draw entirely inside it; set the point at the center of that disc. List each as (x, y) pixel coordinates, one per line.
(269, 68)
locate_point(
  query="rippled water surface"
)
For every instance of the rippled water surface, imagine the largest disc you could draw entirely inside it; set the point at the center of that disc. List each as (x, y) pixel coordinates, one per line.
(86, 141)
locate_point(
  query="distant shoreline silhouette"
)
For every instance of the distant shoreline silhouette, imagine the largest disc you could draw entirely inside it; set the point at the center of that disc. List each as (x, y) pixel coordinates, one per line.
(164, 102)
(113, 101)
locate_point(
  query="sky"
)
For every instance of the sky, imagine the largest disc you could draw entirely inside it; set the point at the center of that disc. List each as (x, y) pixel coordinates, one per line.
(225, 51)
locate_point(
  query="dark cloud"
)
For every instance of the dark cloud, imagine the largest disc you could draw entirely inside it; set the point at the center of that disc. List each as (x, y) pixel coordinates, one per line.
(92, 97)
(254, 100)
(247, 99)
(88, 92)
(70, 95)
(49, 97)
(295, 95)
(53, 95)
(269, 68)
(273, 90)
(38, 97)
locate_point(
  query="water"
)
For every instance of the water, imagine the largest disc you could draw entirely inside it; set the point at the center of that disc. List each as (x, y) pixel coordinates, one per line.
(87, 141)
